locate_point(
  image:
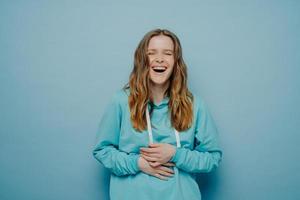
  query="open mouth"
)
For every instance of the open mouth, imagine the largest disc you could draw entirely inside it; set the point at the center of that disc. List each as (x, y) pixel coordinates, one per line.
(159, 69)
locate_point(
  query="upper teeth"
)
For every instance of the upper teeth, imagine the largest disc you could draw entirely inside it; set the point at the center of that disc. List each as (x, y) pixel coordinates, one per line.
(159, 67)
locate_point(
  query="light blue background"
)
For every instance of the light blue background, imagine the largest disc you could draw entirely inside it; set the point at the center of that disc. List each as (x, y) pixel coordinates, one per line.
(61, 61)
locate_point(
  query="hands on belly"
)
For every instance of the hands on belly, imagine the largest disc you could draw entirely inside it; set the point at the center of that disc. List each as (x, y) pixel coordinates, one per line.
(154, 160)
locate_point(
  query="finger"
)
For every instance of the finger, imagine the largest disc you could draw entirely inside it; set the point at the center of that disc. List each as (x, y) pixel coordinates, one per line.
(154, 164)
(164, 173)
(149, 150)
(169, 164)
(155, 155)
(160, 177)
(155, 145)
(148, 158)
(166, 169)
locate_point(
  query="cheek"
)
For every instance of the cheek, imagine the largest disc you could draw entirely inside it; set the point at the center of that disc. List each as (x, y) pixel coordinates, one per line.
(172, 64)
(170, 72)
(171, 61)
(150, 59)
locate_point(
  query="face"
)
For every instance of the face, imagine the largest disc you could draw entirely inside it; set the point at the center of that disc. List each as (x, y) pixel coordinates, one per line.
(161, 59)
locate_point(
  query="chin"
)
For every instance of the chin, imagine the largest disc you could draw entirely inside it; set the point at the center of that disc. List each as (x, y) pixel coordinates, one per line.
(159, 82)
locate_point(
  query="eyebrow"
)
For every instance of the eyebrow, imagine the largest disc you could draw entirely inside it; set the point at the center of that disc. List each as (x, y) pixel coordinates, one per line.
(163, 50)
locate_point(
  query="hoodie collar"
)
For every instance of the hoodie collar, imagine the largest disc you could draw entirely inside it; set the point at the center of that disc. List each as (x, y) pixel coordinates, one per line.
(164, 102)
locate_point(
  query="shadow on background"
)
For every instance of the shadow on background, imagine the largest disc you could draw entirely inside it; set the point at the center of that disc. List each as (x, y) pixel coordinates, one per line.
(209, 184)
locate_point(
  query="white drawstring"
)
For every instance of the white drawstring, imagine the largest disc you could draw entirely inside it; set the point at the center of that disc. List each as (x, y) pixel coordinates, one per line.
(149, 126)
(150, 130)
(177, 138)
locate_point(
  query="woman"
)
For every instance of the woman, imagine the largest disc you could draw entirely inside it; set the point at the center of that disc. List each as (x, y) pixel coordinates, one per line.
(156, 134)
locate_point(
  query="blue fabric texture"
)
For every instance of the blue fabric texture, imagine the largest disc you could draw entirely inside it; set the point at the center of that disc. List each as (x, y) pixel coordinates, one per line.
(118, 143)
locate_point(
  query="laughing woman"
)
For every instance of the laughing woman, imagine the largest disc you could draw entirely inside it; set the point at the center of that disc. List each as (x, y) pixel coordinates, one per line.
(155, 134)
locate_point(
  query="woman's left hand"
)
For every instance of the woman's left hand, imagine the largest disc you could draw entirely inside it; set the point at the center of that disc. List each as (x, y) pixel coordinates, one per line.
(158, 154)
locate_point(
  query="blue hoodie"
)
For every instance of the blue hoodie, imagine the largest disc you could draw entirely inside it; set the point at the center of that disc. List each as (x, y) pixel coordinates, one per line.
(118, 143)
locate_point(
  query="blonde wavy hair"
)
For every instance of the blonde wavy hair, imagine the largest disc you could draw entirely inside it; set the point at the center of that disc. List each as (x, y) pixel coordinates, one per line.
(180, 98)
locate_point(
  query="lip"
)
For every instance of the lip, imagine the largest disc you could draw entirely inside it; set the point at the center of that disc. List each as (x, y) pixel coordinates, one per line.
(159, 69)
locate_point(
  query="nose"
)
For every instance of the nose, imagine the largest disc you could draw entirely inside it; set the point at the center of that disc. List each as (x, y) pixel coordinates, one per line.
(159, 59)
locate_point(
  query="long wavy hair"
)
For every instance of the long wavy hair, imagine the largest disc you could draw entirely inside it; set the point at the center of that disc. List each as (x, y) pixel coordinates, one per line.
(180, 98)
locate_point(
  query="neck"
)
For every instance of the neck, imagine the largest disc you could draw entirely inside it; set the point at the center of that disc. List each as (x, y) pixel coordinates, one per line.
(158, 92)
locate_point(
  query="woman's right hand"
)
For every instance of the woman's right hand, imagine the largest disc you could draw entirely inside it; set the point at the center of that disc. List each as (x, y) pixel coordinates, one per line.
(161, 172)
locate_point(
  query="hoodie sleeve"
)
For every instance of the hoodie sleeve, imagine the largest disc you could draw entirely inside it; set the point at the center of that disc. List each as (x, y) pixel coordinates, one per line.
(206, 154)
(107, 139)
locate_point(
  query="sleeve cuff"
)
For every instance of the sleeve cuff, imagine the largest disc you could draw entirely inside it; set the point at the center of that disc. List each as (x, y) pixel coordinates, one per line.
(176, 155)
(135, 163)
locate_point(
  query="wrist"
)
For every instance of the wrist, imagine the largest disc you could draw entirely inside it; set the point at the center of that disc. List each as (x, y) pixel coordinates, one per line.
(141, 164)
(172, 159)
